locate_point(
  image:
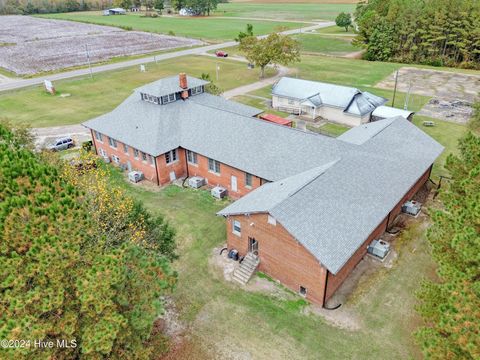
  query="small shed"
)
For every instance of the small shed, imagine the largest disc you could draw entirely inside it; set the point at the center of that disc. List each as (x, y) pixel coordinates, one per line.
(114, 11)
(386, 112)
(276, 119)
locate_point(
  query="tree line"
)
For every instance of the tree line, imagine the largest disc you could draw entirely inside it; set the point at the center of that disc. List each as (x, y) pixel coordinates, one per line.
(79, 259)
(432, 32)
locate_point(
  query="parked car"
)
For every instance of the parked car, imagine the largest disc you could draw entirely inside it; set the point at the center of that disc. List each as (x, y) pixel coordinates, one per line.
(61, 144)
(221, 53)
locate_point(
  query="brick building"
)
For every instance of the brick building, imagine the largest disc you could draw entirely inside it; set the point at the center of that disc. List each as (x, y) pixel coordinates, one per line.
(307, 205)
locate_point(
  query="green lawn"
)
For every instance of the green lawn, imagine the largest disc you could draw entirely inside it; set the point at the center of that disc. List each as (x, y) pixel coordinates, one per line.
(294, 11)
(337, 30)
(330, 129)
(90, 98)
(207, 28)
(258, 103)
(325, 44)
(220, 315)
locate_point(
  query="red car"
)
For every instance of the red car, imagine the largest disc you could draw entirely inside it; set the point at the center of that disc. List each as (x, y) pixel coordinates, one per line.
(221, 54)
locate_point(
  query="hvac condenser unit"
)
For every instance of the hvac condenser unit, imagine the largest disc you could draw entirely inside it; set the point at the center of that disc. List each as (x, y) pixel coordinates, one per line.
(411, 207)
(196, 182)
(379, 248)
(135, 176)
(219, 192)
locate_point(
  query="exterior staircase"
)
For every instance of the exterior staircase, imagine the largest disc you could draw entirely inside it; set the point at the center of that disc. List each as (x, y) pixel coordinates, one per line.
(245, 270)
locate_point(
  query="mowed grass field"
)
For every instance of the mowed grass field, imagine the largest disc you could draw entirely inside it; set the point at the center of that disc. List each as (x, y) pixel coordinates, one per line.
(93, 97)
(289, 10)
(206, 28)
(337, 46)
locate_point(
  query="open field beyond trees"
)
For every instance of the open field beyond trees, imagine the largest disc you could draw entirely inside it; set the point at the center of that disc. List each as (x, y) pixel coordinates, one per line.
(46, 45)
(290, 10)
(207, 28)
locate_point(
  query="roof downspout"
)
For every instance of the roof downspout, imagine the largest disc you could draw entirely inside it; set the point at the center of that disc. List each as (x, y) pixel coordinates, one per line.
(325, 295)
(156, 170)
(94, 142)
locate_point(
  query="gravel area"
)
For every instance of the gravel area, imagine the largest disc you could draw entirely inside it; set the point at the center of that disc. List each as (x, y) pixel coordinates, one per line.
(37, 45)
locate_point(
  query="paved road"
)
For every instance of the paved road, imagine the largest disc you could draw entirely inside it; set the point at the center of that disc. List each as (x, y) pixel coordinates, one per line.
(20, 83)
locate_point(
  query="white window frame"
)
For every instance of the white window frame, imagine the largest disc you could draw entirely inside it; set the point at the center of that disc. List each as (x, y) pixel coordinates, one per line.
(247, 176)
(171, 97)
(171, 156)
(102, 152)
(136, 154)
(144, 156)
(214, 166)
(98, 136)
(116, 159)
(237, 224)
(192, 157)
(112, 142)
(125, 149)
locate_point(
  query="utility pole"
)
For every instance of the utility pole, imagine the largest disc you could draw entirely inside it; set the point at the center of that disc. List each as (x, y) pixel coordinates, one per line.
(88, 59)
(395, 89)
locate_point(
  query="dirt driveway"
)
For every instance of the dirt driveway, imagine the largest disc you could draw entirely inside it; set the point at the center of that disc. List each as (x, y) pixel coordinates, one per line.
(452, 93)
(45, 136)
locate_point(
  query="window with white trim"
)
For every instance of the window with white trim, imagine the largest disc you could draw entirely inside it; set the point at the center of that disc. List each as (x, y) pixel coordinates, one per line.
(171, 156)
(116, 159)
(196, 90)
(237, 227)
(136, 153)
(144, 156)
(303, 291)
(102, 152)
(112, 142)
(214, 166)
(125, 149)
(168, 98)
(98, 136)
(192, 157)
(248, 180)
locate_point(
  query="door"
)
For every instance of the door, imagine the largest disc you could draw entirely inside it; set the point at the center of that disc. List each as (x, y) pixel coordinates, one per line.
(129, 166)
(234, 183)
(172, 176)
(253, 246)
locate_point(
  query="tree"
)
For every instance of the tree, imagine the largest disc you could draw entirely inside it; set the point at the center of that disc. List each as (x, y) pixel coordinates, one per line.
(178, 4)
(242, 35)
(211, 88)
(201, 7)
(344, 20)
(451, 306)
(79, 260)
(158, 5)
(124, 4)
(474, 123)
(274, 49)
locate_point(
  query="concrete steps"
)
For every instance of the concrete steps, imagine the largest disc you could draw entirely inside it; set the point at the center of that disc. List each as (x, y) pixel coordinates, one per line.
(246, 269)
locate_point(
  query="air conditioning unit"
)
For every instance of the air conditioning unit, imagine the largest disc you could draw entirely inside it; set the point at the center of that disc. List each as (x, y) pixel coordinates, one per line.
(411, 207)
(106, 159)
(219, 192)
(379, 248)
(135, 176)
(196, 182)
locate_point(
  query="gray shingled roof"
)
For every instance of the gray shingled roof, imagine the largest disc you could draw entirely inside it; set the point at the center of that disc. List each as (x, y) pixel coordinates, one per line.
(351, 100)
(336, 212)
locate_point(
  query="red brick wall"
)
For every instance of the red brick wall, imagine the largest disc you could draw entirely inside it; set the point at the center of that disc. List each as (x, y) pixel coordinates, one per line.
(334, 281)
(281, 256)
(224, 178)
(146, 167)
(165, 169)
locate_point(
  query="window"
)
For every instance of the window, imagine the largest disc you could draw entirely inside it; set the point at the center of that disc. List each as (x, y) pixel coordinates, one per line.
(151, 159)
(168, 98)
(112, 142)
(125, 149)
(197, 90)
(214, 166)
(102, 152)
(171, 97)
(116, 159)
(150, 98)
(303, 291)
(98, 136)
(135, 153)
(237, 227)
(272, 220)
(144, 156)
(171, 156)
(192, 157)
(248, 180)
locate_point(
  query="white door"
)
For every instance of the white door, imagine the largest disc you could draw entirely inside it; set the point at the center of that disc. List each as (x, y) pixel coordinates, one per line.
(172, 176)
(234, 183)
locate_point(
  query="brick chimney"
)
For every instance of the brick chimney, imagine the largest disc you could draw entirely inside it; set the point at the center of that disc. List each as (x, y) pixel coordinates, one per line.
(182, 78)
